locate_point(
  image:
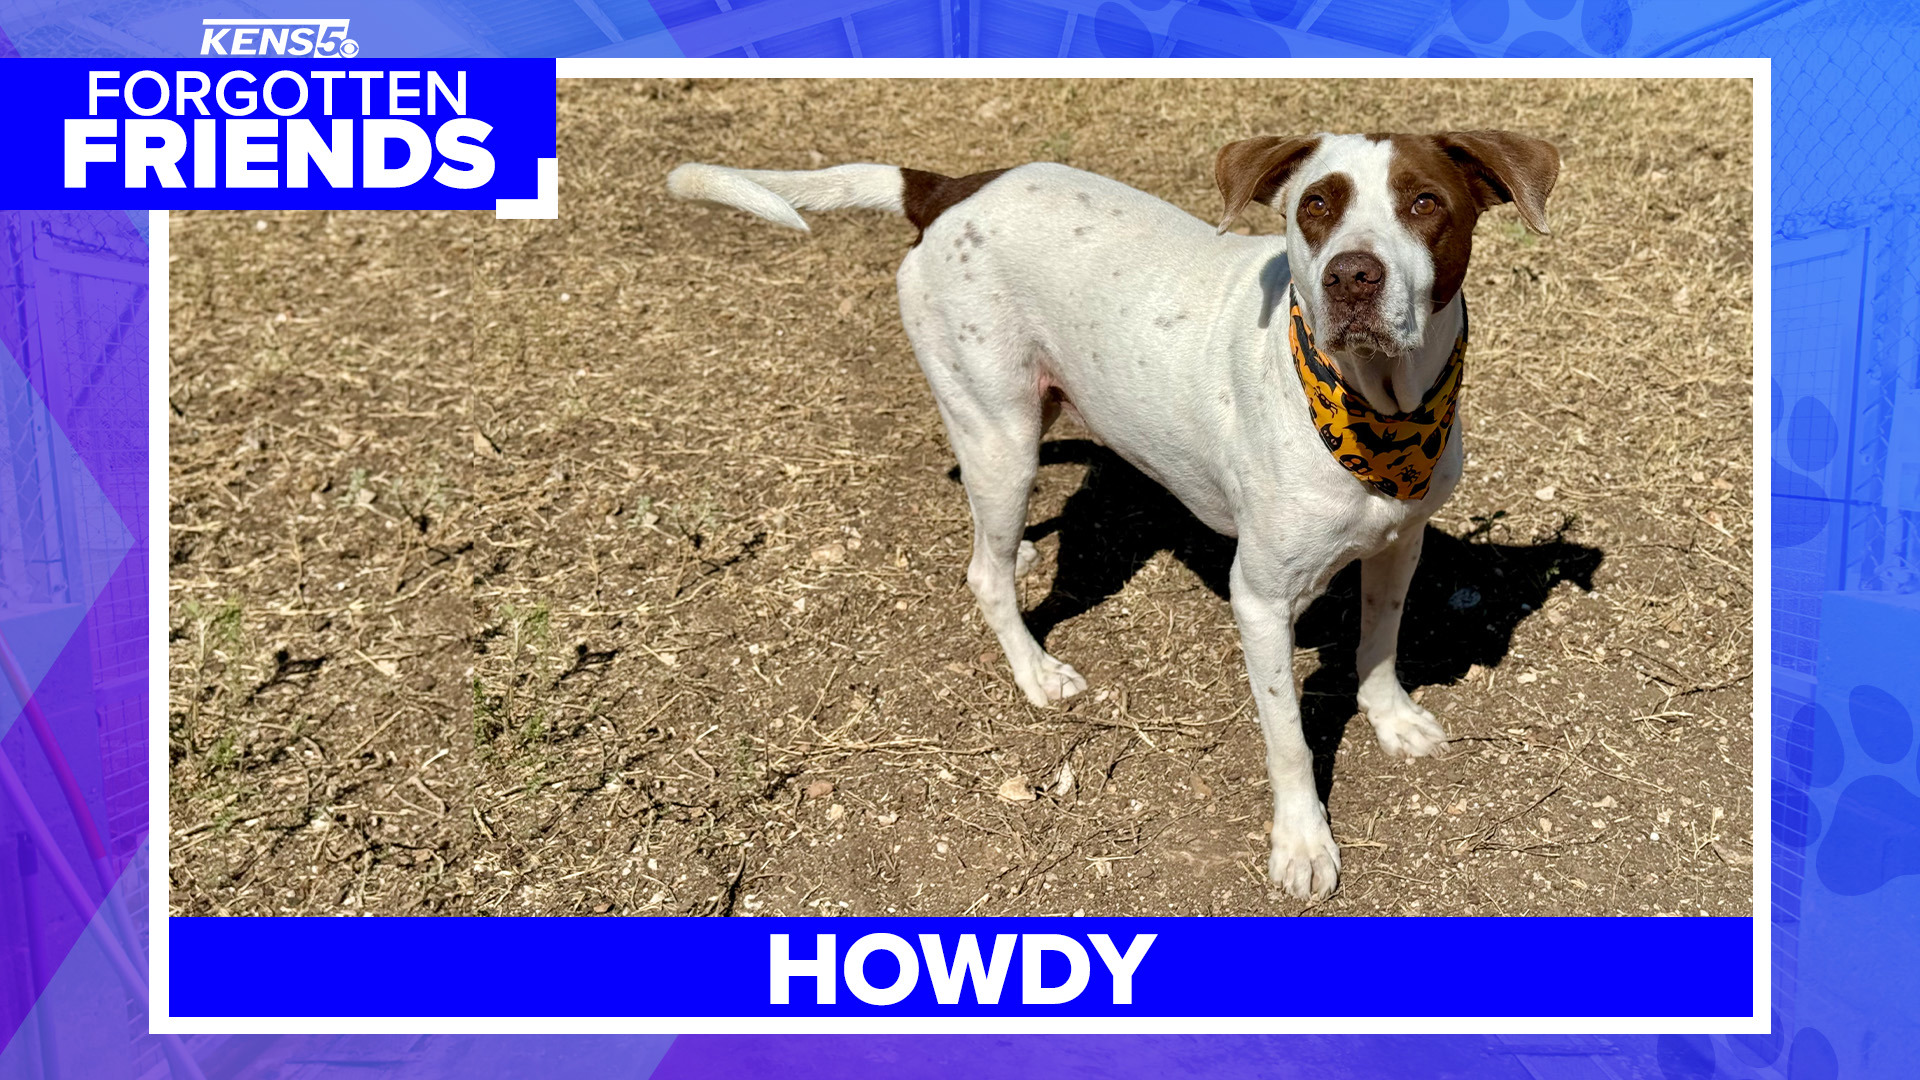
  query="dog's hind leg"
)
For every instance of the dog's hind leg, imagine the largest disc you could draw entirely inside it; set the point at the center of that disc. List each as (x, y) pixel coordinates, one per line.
(999, 454)
(990, 400)
(1050, 406)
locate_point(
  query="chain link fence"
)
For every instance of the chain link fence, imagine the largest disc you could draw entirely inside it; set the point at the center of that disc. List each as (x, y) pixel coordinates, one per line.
(73, 316)
(1847, 314)
(1844, 401)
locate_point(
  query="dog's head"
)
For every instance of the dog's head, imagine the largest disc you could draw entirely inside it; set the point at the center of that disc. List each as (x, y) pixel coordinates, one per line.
(1379, 227)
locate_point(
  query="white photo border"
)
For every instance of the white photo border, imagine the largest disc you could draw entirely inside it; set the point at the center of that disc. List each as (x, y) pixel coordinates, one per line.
(1759, 70)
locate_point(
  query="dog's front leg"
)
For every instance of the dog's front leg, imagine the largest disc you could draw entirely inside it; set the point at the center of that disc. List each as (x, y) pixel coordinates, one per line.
(1305, 860)
(1403, 728)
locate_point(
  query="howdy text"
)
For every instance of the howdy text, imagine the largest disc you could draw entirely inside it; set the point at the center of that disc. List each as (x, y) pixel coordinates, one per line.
(950, 976)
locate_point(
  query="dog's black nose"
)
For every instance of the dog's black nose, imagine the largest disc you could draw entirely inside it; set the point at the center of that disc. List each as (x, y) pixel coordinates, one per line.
(1354, 277)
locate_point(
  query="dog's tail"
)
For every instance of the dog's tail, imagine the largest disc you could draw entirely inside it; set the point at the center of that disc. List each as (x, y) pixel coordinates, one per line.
(778, 196)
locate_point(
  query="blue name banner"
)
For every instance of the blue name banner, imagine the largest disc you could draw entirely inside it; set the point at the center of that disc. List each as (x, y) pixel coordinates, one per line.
(285, 134)
(458, 967)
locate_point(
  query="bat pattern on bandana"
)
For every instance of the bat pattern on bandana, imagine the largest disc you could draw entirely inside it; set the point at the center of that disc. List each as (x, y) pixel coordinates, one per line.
(1393, 454)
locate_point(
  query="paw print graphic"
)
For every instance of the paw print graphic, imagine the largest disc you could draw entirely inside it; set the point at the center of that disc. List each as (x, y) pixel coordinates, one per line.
(1846, 818)
(1872, 831)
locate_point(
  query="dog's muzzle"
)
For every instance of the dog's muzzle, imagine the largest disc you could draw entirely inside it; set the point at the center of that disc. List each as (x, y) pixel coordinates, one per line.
(1351, 287)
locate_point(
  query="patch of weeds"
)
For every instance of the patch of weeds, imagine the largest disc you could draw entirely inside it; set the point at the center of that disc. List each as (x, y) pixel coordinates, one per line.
(423, 499)
(218, 631)
(271, 360)
(746, 769)
(356, 484)
(217, 626)
(1483, 525)
(229, 815)
(535, 728)
(697, 519)
(1556, 570)
(1519, 233)
(486, 715)
(509, 698)
(574, 408)
(221, 755)
(643, 514)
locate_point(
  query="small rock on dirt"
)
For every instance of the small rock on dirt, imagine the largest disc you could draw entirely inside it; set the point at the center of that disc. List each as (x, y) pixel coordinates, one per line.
(1729, 856)
(1063, 781)
(819, 789)
(1015, 789)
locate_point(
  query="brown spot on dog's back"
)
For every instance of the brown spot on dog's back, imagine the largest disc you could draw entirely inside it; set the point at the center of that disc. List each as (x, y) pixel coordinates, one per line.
(926, 195)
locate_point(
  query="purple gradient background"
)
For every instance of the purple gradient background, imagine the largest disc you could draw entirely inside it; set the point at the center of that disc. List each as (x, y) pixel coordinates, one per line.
(1847, 903)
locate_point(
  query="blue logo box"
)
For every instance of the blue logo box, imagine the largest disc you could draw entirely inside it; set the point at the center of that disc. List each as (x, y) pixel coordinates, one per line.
(214, 133)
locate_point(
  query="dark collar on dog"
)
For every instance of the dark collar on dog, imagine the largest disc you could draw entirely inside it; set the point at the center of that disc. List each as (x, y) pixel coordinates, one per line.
(1394, 455)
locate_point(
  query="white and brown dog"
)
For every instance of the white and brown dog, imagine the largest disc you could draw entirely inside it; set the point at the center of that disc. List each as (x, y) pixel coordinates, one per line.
(1294, 392)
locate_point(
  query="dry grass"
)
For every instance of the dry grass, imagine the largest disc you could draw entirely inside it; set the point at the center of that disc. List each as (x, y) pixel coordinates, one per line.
(614, 564)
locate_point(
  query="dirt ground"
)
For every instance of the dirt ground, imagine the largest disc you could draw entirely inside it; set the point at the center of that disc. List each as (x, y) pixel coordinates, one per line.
(615, 564)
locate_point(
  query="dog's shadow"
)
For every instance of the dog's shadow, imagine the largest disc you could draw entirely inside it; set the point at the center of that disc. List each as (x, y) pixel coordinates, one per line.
(1467, 597)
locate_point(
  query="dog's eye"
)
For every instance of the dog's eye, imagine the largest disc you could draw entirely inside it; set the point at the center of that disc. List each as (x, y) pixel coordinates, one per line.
(1425, 204)
(1313, 206)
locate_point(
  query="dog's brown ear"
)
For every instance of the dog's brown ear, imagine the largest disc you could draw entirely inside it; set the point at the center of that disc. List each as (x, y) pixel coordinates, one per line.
(1504, 167)
(1252, 170)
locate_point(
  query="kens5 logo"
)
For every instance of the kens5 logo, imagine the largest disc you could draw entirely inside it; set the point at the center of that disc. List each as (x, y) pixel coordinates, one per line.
(319, 38)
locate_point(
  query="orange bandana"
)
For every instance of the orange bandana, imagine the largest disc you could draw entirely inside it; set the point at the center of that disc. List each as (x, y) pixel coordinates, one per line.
(1394, 455)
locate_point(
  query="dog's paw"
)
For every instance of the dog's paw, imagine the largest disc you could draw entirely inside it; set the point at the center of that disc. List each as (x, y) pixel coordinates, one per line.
(1406, 730)
(1305, 860)
(1049, 681)
(1023, 560)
